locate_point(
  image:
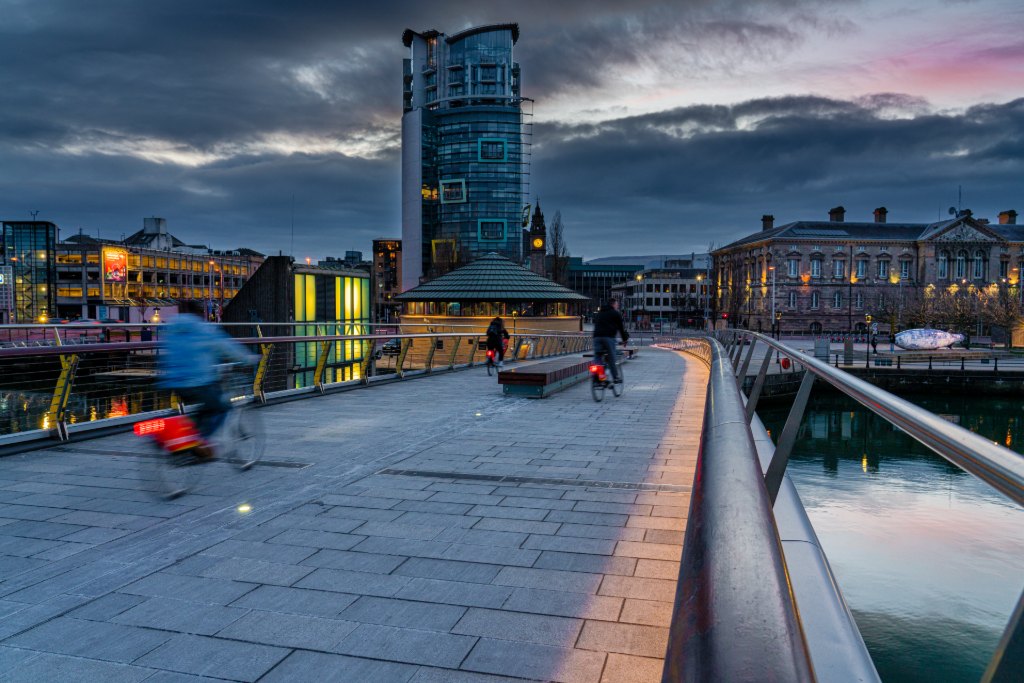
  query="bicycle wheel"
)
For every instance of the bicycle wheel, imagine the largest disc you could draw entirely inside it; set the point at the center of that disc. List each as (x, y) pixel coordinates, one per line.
(248, 438)
(490, 367)
(175, 474)
(617, 388)
(597, 390)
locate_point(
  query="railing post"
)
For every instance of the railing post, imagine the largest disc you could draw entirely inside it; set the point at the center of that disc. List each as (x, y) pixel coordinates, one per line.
(475, 344)
(780, 457)
(995, 359)
(961, 363)
(742, 374)
(898, 359)
(402, 351)
(455, 351)
(428, 364)
(321, 364)
(369, 349)
(62, 391)
(1008, 660)
(258, 392)
(755, 391)
(929, 362)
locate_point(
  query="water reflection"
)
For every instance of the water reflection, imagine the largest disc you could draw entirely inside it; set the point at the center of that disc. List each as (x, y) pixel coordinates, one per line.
(25, 410)
(928, 558)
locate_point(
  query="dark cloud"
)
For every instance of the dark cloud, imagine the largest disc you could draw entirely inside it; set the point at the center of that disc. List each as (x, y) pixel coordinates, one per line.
(193, 110)
(638, 182)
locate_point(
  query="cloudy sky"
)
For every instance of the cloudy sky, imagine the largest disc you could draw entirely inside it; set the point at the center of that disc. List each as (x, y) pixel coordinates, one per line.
(659, 126)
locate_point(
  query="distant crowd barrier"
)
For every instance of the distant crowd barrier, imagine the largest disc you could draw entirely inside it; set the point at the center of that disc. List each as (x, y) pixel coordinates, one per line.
(60, 381)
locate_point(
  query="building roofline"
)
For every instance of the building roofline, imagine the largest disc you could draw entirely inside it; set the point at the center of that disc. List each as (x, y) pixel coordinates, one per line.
(514, 27)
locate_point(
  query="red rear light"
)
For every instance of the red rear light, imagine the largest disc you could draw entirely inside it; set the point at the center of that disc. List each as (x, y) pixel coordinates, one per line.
(596, 369)
(149, 427)
(490, 354)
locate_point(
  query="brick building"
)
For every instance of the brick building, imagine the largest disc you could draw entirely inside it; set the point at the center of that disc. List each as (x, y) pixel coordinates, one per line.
(829, 275)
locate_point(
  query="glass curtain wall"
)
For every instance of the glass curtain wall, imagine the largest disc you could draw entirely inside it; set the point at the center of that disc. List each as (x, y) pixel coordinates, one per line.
(30, 250)
(335, 305)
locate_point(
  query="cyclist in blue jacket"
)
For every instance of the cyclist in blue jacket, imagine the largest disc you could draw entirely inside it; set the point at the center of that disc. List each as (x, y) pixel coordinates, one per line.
(187, 364)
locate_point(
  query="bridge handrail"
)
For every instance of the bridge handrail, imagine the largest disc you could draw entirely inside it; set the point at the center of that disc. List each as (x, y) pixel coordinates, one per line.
(735, 617)
(996, 465)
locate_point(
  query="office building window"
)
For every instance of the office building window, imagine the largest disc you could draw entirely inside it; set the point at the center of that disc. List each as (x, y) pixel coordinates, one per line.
(814, 300)
(491, 230)
(794, 267)
(1004, 268)
(904, 270)
(453, 191)
(862, 267)
(837, 300)
(943, 267)
(858, 300)
(979, 265)
(792, 299)
(491, 149)
(883, 270)
(816, 267)
(839, 268)
(961, 264)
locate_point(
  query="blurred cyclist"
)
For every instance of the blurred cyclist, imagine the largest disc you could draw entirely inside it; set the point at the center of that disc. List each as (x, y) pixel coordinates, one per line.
(187, 364)
(496, 338)
(608, 323)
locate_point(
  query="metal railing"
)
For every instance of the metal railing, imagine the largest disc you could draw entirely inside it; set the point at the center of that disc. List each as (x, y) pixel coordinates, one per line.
(997, 466)
(735, 618)
(58, 388)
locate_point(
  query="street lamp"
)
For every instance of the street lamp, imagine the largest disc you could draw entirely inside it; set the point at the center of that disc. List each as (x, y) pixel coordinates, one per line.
(772, 269)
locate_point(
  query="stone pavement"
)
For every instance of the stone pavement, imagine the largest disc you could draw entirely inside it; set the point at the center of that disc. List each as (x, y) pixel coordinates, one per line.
(424, 531)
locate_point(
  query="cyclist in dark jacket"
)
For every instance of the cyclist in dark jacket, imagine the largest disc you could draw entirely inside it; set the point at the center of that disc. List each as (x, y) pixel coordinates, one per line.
(608, 324)
(496, 336)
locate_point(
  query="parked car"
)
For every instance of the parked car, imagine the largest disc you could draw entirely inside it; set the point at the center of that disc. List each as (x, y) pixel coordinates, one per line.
(391, 347)
(111, 321)
(84, 321)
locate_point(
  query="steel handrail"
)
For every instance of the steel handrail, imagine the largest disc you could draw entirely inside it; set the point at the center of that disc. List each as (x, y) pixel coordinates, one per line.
(996, 465)
(735, 617)
(55, 350)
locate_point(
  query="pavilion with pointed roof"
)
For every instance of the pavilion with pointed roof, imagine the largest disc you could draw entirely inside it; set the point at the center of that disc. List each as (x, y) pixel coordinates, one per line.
(492, 285)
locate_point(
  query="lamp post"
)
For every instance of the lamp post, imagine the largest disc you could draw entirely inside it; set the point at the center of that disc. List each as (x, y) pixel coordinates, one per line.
(772, 269)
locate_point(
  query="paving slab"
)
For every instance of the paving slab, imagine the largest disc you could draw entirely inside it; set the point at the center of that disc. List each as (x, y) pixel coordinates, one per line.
(432, 530)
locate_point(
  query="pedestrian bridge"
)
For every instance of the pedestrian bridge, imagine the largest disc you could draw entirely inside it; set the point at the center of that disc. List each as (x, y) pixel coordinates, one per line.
(429, 529)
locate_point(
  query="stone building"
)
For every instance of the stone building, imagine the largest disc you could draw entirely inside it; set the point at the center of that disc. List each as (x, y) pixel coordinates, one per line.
(813, 276)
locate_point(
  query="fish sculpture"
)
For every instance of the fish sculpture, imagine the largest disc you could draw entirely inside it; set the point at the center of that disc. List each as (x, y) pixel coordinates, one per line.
(926, 339)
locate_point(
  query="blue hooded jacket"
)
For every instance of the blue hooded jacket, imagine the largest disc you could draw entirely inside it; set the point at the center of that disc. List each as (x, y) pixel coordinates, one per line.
(191, 349)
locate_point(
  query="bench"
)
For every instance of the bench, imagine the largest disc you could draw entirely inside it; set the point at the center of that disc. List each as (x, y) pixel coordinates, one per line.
(545, 378)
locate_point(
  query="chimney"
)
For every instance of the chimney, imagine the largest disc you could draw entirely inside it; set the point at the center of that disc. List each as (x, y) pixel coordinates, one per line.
(837, 214)
(880, 214)
(768, 222)
(1008, 217)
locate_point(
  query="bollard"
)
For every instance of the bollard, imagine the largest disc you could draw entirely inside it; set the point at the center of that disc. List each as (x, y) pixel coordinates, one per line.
(897, 362)
(929, 362)
(961, 363)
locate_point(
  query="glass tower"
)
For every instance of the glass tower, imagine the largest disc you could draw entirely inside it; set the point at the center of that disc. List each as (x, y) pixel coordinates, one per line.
(465, 150)
(29, 248)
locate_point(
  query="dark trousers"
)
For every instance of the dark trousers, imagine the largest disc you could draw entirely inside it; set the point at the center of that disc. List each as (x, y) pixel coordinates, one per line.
(213, 406)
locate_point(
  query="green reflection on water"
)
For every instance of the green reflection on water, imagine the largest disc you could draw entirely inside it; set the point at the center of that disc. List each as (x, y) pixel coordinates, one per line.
(928, 557)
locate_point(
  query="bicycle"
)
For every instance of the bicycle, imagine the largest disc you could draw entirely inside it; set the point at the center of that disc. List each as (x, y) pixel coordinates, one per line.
(599, 380)
(491, 353)
(239, 440)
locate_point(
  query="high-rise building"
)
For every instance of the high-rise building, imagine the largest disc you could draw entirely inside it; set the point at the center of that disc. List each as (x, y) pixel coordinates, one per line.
(28, 248)
(465, 150)
(386, 279)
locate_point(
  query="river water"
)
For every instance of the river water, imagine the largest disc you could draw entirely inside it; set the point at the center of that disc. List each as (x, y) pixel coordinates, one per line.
(930, 560)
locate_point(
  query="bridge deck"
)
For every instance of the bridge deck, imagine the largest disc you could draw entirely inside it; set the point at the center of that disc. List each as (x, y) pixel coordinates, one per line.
(399, 533)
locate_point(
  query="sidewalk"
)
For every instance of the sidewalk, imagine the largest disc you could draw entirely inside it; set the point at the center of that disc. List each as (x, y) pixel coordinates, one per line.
(429, 530)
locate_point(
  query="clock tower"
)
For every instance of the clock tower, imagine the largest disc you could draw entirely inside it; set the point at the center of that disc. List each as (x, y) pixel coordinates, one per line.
(538, 241)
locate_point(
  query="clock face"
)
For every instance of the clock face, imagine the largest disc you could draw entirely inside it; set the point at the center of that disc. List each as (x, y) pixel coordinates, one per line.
(538, 243)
